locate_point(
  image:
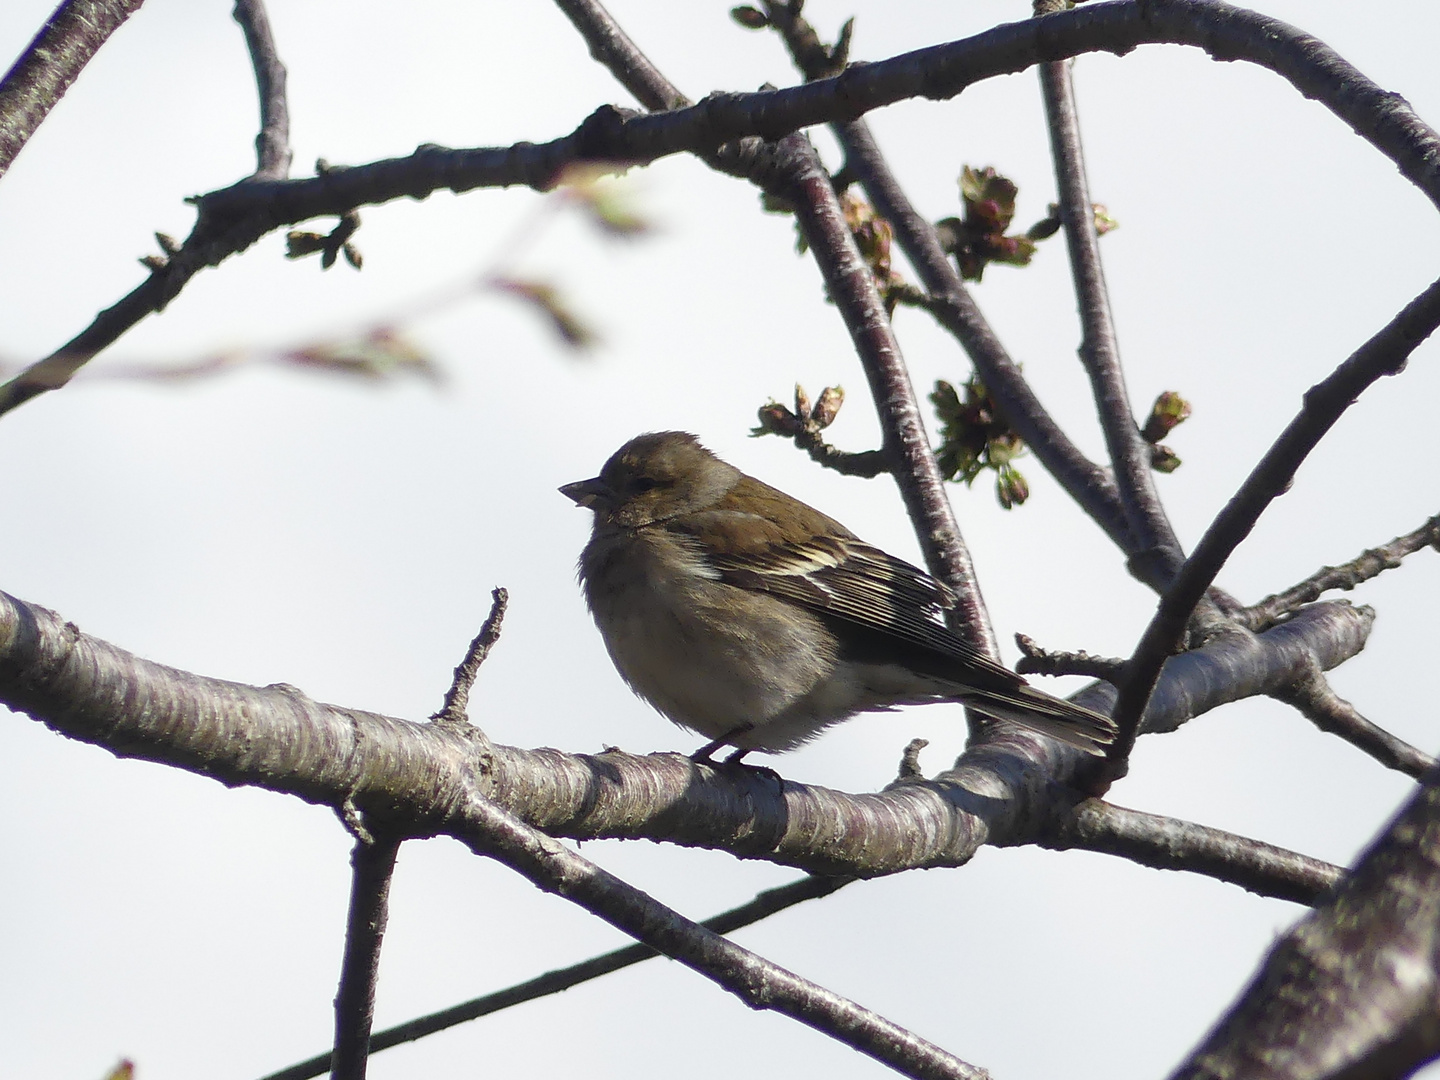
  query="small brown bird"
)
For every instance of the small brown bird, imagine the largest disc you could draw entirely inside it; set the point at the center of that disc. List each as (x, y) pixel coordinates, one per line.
(755, 620)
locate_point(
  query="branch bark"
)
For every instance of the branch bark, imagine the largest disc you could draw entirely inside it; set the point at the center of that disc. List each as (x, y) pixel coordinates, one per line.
(50, 64)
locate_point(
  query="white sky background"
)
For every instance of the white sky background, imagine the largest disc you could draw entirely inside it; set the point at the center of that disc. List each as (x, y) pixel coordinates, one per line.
(269, 526)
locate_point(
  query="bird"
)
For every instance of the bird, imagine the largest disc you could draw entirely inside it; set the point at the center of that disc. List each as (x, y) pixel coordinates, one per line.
(756, 621)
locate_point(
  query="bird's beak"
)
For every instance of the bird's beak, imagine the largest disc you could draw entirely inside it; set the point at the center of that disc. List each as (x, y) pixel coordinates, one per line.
(586, 492)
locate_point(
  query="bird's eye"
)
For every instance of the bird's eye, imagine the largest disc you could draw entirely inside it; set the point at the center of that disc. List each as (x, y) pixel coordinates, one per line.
(645, 483)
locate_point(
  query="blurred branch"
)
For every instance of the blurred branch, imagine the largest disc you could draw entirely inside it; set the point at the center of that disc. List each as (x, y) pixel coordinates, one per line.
(272, 145)
(1166, 843)
(1385, 353)
(765, 904)
(1363, 567)
(233, 218)
(1153, 540)
(372, 865)
(1312, 695)
(1350, 991)
(51, 62)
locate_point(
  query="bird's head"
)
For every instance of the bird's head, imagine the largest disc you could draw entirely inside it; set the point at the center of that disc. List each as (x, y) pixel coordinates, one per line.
(652, 478)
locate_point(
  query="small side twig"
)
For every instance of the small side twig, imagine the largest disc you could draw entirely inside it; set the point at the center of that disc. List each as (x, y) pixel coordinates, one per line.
(1041, 661)
(272, 144)
(51, 62)
(372, 865)
(1363, 567)
(458, 696)
(765, 904)
(1313, 696)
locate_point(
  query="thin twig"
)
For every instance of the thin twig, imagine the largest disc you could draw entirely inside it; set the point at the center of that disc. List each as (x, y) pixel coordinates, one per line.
(458, 696)
(1363, 567)
(1167, 843)
(51, 62)
(272, 144)
(1153, 538)
(372, 863)
(1313, 696)
(1383, 354)
(765, 904)
(1040, 661)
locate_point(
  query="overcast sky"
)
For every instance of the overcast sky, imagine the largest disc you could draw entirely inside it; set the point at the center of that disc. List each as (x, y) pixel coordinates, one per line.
(270, 525)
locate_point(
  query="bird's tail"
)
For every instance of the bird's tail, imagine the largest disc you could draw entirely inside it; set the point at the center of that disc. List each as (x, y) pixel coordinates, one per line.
(1073, 724)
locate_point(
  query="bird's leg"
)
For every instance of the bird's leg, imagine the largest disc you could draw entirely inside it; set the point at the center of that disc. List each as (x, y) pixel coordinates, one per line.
(703, 755)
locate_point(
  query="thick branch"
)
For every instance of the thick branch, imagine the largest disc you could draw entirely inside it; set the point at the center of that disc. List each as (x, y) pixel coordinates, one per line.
(1384, 354)
(1351, 991)
(414, 774)
(45, 70)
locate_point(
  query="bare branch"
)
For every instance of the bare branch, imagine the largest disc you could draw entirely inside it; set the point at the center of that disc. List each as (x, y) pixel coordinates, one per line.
(1350, 991)
(45, 70)
(1153, 539)
(1312, 695)
(761, 984)
(458, 696)
(372, 865)
(720, 129)
(851, 286)
(765, 904)
(272, 144)
(1385, 353)
(613, 50)
(1363, 567)
(279, 739)
(1039, 661)
(1171, 844)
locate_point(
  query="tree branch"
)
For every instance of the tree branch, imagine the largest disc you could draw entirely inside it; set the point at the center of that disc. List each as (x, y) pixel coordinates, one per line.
(761, 984)
(1350, 991)
(458, 696)
(1385, 353)
(272, 145)
(1312, 695)
(52, 61)
(413, 775)
(372, 864)
(233, 218)
(765, 904)
(1153, 539)
(1166, 843)
(1363, 567)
